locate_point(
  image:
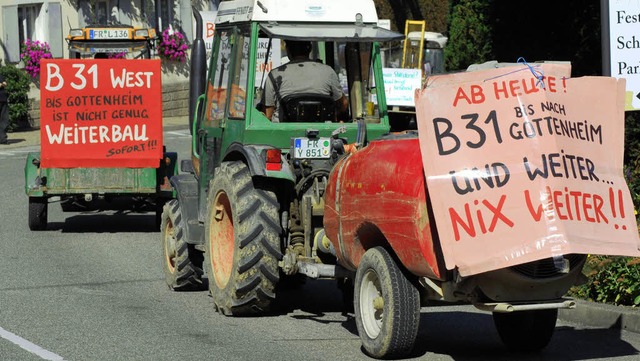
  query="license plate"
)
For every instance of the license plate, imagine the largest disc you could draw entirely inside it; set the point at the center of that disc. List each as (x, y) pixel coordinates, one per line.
(109, 34)
(311, 148)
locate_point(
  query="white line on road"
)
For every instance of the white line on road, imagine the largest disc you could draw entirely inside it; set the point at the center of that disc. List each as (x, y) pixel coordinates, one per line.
(179, 132)
(33, 348)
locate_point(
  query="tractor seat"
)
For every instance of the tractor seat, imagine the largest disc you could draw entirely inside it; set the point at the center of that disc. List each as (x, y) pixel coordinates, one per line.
(307, 108)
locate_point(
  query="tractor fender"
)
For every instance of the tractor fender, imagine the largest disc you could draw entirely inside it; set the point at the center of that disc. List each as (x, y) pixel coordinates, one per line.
(254, 157)
(33, 184)
(186, 187)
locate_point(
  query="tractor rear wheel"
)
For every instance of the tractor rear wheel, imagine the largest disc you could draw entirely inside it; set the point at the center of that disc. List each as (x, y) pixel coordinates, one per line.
(526, 331)
(387, 306)
(38, 213)
(242, 242)
(181, 262)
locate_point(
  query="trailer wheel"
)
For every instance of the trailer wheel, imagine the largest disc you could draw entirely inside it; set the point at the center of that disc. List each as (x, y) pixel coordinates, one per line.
(242, 242)
(387, 306)
(526, 331)
(181, 262)
(38, 213)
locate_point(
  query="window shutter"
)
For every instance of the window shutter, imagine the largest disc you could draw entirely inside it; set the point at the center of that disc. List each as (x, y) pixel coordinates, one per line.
(10, 31)
(55, 29)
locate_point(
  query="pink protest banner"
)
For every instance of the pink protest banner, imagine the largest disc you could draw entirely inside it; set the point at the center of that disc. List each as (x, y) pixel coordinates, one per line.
(102, 113)
(524, 164)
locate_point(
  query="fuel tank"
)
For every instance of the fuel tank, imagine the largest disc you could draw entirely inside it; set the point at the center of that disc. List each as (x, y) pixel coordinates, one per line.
(378, 196)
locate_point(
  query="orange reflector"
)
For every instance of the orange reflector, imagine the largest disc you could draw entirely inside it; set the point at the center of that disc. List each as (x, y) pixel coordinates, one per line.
(273, 159)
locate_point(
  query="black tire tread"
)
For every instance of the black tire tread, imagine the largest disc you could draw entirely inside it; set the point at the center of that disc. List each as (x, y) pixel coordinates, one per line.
(526, 331)
(38, 212)
(188, 261)
(402, 307)
(250, 290)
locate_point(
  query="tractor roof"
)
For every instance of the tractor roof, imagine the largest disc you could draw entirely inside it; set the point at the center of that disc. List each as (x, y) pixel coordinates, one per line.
(337, 20)
(331, 11)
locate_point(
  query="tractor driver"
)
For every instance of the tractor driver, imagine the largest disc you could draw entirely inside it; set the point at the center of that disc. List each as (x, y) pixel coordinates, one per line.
(301, 75)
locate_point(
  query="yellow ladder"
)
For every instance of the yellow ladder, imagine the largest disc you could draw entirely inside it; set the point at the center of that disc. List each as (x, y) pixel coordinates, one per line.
(412, 50)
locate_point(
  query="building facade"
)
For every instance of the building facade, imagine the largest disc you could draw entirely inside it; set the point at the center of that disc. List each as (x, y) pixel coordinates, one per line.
(50, 21)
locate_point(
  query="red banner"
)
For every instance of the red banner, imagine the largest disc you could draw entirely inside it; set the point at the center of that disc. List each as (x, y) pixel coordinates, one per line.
(100, 113)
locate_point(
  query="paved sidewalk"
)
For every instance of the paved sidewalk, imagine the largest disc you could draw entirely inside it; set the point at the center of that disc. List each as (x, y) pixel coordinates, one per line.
(585, 313)
(603, 316)
(31, 137)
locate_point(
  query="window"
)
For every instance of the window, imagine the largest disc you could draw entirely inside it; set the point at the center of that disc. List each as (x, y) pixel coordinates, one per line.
(240, 75)
(96, 12)
(27, 15)
(166, 14)
(231, 63)
(101, 11)
(217, 85)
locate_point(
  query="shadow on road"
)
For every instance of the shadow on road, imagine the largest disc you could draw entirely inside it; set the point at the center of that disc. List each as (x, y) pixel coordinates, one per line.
(107, 223)
(460, 335)
(472, 336)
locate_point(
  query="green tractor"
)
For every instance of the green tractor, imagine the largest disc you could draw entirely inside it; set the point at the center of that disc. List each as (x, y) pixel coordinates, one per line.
(249, 203)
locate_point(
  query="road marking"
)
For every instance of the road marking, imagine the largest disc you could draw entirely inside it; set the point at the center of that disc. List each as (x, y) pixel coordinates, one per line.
(31, 347)
(182, 134)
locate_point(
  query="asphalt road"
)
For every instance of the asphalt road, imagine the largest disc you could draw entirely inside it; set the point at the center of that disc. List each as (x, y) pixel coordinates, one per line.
(90, 287)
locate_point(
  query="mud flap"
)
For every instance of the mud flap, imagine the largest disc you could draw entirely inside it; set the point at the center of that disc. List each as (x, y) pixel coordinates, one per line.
(186, 186)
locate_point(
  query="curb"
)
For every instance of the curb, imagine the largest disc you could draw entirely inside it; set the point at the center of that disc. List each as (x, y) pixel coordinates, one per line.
(603, 315)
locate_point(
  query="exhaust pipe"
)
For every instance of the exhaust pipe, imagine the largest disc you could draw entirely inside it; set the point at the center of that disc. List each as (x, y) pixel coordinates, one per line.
(198, 71)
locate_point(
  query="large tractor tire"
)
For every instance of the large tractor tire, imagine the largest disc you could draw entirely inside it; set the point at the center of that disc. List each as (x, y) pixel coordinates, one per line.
(38, 211)
(526, 331)
(242, 242)
(181, 262)
(387, 306)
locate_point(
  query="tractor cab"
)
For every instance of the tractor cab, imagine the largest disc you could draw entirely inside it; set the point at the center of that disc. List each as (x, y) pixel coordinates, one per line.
(250, 41)
(111, 42)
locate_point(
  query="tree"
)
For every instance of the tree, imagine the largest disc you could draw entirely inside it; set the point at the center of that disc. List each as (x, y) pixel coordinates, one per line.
(570, 32)
(469, 34)
(435, 12)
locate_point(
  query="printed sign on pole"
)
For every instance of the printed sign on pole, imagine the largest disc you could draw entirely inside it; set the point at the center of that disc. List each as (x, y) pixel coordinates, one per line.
(624, 45)
(208, 30)
(100, 113)
(400, 85)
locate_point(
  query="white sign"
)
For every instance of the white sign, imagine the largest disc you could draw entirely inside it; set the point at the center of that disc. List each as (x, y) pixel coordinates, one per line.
(208, 30)
(400, 85)
(624, 40)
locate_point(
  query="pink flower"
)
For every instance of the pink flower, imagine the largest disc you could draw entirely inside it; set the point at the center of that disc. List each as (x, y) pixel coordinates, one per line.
(32, 53)
(173, 45)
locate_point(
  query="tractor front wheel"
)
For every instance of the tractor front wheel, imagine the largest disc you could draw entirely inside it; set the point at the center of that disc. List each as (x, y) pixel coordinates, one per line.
(387, 306)
(242, 242)
(181, 262)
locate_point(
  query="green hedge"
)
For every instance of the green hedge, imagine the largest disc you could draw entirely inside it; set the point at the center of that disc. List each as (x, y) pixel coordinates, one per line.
(18, 88)
(614, 280)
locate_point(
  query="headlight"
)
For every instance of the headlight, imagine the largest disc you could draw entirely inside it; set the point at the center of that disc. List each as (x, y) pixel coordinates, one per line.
(142, 33)
(74, 33)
